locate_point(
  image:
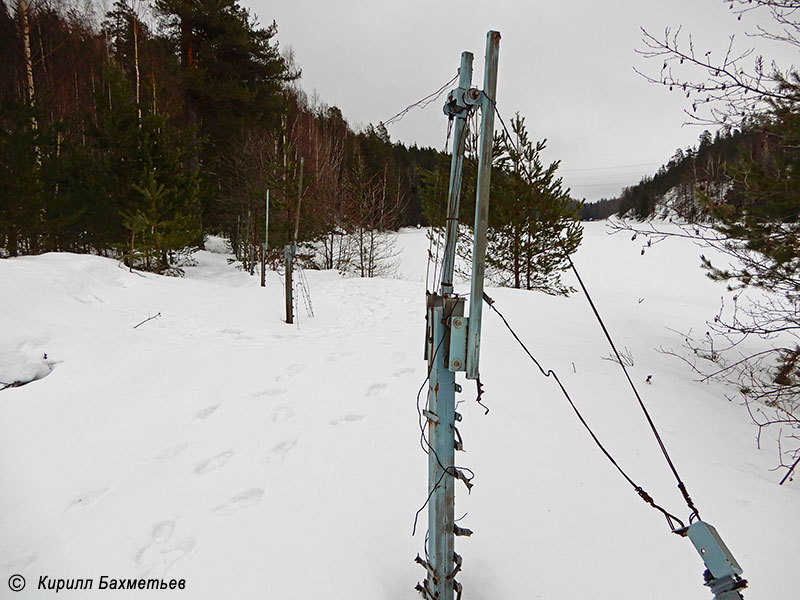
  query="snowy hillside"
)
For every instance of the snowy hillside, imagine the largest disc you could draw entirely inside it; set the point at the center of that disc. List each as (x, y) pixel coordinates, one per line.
(258, 460)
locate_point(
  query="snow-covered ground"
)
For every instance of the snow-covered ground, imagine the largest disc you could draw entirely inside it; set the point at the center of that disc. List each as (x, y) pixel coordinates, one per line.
(258, 460)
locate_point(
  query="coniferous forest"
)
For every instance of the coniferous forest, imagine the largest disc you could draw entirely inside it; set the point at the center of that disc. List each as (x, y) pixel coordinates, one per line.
(135, 132)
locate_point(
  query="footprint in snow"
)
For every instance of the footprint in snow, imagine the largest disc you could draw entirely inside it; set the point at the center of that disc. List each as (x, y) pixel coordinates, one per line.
(279, 451)
(164, 549)
(282, 413)
(85, 500)
(336, 356)
(245, 499)
(376, 389)
(234, 332)
(15, 565)
(270, 392)
(215, 462)
(165, 454)
(205, 413)
(405, 371)
(290, 372)
(347, 419)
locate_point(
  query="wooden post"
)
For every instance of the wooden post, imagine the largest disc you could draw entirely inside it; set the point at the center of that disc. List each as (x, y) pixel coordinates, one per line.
(288, 256)
(265, 246)
(291, 250)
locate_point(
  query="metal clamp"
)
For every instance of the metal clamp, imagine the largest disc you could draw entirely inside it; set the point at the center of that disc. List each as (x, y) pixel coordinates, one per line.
(460, 102)
(722, 573)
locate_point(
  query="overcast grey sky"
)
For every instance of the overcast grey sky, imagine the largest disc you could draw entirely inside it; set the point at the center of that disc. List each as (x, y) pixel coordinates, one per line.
(566, 66)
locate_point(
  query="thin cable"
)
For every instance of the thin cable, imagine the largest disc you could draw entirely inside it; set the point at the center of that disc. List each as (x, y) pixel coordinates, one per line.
(423, 437)
(428, 265)
(420, 103)
(671, 519)
(681, 485)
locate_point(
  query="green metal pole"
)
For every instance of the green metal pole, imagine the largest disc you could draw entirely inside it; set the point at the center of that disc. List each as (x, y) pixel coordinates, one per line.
(482, 203)
(441, 391)
(456, 168)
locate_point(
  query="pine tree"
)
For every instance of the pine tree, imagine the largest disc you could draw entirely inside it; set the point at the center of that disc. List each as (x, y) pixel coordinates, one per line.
(533, 222)
(233, 79)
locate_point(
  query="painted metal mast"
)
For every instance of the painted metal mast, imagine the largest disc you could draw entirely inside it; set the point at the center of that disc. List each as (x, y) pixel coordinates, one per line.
(458, 110)
(482, 203)
(446, 351)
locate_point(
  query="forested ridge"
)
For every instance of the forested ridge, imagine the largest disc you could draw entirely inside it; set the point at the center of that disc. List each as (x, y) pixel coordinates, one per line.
(687, 174)
(135, 132)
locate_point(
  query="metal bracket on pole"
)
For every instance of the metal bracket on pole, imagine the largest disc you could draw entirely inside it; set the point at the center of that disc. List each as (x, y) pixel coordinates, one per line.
(722, 573)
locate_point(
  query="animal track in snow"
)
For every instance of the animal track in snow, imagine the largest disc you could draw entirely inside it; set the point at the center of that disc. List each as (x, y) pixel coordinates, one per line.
(346, 419)
(215, 462)
(165, 454)
(282, 413)
(205, 413)
(279, 451)
(245, 499)
(164, 549)
(376, 389)
(85, 500)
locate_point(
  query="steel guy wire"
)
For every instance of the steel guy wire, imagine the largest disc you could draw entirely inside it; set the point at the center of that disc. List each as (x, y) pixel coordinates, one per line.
(550, 373)
(681, 486)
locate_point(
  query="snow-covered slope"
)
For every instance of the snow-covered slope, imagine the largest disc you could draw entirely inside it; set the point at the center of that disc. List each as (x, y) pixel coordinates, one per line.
(216, 444)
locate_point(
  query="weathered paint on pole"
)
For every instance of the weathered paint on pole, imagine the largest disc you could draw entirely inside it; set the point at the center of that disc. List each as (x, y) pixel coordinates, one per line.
(441, 485)
(456, 169)
(482, 203)
(445, 351)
